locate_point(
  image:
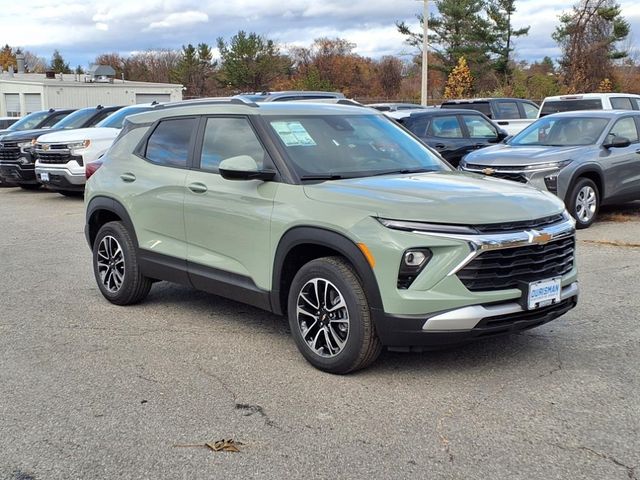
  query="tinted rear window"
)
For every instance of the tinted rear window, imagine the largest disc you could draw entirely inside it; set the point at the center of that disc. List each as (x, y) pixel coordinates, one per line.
(169, 143)
(482, 107)
(556, 106)
(621, 103)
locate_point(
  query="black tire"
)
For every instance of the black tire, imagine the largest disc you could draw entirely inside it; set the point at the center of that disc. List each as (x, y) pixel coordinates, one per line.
(134, 286)
(361, 344)
(30, 186)
(71, 193)
(577, 207)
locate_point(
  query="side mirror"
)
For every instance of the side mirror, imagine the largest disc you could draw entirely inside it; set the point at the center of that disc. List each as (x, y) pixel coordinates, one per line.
(617, 142)
(243, 167)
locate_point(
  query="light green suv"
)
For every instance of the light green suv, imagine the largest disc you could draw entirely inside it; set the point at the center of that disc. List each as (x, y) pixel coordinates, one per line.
(333, 215)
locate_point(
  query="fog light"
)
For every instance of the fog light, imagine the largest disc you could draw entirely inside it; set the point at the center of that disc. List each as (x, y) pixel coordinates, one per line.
(413, 262)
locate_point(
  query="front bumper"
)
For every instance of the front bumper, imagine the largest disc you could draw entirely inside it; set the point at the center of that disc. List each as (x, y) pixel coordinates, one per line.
(13, 172)
(466, 324)
(61, 178)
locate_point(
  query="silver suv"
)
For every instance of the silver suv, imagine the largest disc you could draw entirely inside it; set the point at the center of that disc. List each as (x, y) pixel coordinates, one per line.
(587, 158)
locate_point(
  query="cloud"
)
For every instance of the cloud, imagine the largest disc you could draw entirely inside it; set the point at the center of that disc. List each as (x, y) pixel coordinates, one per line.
(181, 19)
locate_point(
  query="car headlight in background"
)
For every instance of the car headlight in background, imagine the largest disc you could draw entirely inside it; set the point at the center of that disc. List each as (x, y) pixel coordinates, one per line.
(25, 147)
(542, 167)
(78, 145)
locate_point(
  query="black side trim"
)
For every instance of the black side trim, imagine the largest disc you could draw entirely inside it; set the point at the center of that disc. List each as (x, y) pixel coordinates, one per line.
(229, 285)
(336, 241)
(110, 205)
(163, 267)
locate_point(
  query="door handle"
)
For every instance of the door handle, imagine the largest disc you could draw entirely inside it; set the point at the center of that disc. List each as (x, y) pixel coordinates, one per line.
(503, 123)
(440, 146)
(197, 187)
(128, 177)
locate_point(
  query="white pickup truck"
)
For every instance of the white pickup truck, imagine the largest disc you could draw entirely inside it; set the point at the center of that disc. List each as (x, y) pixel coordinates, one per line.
(510, 114)
(61, 157)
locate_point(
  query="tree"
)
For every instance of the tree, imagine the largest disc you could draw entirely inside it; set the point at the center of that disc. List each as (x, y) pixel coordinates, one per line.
(114, 60)
(7, 57)
(588, 36)
(250, 62)
(34, 63)
(58, 64)
(605, 86)
(460, 81)
(79, 70)
(499, 13)
(390, 75)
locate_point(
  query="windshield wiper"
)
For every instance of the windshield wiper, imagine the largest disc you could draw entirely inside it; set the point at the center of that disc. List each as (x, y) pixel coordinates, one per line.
(328, 176)
(403, 171)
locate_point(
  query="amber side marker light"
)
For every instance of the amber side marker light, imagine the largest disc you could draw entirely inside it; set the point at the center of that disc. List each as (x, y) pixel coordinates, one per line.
(367, 254)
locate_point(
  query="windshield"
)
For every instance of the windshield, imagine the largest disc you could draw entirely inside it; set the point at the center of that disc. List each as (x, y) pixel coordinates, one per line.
(331, 146)
(76, 120)
(562, 132)
(115, 120)
(29, 122)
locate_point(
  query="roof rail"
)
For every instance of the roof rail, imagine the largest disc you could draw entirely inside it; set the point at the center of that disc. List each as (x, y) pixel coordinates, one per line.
(210, 101)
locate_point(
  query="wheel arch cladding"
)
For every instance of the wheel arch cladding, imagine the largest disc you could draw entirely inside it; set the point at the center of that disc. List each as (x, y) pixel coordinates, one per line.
(102, 210)
(300, 245)
(592, 173)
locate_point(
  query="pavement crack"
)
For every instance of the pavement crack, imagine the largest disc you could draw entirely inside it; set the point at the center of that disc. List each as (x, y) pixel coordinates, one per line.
(631, 470)
(612, 243)
(248, 410)
(446, 444)
(222, 383)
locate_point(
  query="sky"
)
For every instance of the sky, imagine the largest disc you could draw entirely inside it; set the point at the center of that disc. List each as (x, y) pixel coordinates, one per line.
(83, 29)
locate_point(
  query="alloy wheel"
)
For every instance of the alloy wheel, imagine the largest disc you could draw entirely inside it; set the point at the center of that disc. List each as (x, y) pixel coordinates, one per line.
(323, 317)
(586, 203)
(110, 263)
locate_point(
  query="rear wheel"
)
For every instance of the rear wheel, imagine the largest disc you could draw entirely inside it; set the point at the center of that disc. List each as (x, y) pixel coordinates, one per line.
(30, 186)
(115, 266)
(330, 318)
(583, 202)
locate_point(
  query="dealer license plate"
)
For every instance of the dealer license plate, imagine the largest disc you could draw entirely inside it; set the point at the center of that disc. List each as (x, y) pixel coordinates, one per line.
(44, 176)
(543, 293)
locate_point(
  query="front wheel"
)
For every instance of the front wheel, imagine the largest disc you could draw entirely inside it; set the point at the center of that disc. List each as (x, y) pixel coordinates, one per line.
(583, 202)
(330, 318)
(115, 266)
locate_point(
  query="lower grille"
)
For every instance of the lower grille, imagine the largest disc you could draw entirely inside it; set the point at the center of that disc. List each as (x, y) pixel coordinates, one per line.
(507, 268)
(514, 177)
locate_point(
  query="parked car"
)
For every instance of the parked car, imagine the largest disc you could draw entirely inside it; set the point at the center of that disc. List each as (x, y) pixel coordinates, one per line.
(453, 133)
(332, 214)
(6, 122)
(62, 156)
(394, 107)
(17, 160)
(587, 158)
(36, 120)
(287, 96)
(510, 114)
(589, 101)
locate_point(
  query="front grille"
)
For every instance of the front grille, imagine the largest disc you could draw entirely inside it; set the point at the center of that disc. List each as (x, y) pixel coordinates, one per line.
(514, 177)
(10, 151)
(53, 157)
(504, 172)
(504, 269)
(520, 225)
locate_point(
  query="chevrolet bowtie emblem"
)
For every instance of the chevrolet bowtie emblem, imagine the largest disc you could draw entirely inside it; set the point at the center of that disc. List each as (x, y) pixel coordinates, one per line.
(539, 237)
(488, 171)
(45, 147)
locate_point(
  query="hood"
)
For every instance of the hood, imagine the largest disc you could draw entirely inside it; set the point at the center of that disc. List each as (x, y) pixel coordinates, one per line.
(441, 197)
(515, 155)
(24, 135)
(79, 134)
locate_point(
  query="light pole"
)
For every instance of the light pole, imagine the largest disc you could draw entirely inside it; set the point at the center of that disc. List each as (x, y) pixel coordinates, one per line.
(425, 50)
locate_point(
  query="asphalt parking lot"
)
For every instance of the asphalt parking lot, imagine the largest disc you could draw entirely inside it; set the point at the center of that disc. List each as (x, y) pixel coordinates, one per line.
(90, 390)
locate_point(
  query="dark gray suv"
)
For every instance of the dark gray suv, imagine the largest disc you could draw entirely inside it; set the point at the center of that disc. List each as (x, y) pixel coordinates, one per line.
(587, 158)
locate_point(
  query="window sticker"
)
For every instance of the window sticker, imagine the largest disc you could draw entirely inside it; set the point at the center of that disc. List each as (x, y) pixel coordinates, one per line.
(293, 134)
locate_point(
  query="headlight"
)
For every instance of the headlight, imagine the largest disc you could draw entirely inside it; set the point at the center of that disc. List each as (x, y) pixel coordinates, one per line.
(78, 145)
(427, 227)
(26, 145)
(548, 166)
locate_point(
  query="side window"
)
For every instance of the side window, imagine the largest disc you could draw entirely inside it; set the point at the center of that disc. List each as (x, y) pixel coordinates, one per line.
(53, 119)
(169, 143)
(621, 103)
(229, 137)
(507, 110)
(100, 116)
(478, 127)
(530, 111)
(445, 127)
(625, 127)
(419, 126)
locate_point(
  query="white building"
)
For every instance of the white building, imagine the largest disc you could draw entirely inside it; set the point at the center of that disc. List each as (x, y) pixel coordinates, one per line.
(22, 93)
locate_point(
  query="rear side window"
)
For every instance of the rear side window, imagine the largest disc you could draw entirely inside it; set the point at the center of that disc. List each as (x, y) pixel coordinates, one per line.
(556, 106)
(482, 107)
(445, 127)
(419, 126)
(530, 111)
(621, 103)
(169, 143)
(507, 111)
(229, 137)
(479, 127)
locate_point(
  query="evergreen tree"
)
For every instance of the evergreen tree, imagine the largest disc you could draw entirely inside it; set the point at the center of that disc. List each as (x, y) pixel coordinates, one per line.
(79, 70)
(58, 64)
(499, 13)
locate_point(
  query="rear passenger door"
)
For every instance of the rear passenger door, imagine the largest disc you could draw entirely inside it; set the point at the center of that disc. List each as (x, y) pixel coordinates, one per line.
(444, 133)
(228, 222)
